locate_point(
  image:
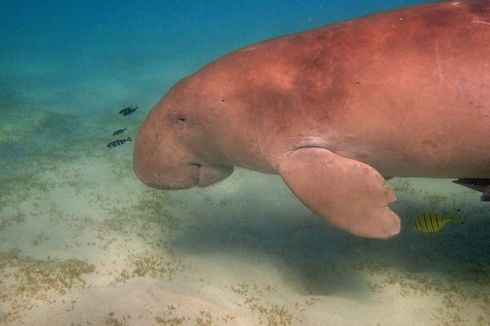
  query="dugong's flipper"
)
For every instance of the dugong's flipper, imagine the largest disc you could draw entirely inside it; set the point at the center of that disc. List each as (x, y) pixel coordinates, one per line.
(350, 194)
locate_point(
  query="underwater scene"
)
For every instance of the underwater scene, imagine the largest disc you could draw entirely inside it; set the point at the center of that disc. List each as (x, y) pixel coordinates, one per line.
(84, 242)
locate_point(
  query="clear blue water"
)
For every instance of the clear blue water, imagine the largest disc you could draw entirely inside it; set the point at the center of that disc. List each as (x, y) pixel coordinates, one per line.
(68, 67)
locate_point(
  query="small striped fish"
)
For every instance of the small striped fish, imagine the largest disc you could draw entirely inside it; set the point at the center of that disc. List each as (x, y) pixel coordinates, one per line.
(118, 132)
(432, 222)
(129, 110)
(126, 109)
(118, 142)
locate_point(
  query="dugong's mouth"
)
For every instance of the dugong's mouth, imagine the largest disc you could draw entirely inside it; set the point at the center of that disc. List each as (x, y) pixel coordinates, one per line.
(206, 175)
(184, 177)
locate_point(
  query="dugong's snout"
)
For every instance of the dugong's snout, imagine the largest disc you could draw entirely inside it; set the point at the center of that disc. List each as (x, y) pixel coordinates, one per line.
(180, 177)
(164, 167)
(159, 177)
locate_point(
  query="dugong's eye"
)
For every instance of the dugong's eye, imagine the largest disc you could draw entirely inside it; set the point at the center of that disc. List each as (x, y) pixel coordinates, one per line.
(177, 117)
(181, 119)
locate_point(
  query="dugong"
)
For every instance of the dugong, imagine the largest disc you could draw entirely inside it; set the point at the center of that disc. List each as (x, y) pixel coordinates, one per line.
(335, 111)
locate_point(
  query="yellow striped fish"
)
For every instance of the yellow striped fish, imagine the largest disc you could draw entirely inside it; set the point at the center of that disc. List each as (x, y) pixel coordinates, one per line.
(432, 222)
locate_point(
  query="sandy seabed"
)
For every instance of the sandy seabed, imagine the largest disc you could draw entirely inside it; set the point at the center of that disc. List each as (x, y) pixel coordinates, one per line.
(83, 242)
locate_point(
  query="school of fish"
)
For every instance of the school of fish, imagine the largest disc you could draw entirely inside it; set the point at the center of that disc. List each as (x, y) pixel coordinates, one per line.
(118, 142)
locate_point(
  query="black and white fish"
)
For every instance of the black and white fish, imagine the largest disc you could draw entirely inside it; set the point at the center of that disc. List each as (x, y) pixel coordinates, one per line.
(128, 110)
(125, 109)
(118, 142)
(119, 131)
(481, 185)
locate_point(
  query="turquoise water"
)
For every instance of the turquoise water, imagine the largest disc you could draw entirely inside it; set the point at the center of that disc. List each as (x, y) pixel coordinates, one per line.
(82, 241)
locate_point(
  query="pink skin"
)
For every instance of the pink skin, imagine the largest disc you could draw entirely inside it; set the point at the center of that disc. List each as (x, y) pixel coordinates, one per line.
(404, 93)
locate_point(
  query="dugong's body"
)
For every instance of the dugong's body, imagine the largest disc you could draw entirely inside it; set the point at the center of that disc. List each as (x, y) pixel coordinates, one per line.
(334, 110)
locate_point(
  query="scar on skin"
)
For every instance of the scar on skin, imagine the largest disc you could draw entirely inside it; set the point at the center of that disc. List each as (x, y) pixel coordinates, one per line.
(439, 68)
(480, 22)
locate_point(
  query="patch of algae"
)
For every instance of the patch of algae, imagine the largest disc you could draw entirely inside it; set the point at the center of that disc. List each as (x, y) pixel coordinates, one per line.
(23, 279)
(11, 132)
(267, 313)
(205, 318)
(122, 168)
(141, 218)
(33, 144)
(76, 180)
(111, 319)
(17, 189)
(458, 297)
(436, 200)
(27, 197)
(40, 123)
(146, 215)
(9, 220)
(253, 297)
(402, 185)
(147, 219)
(152, 265)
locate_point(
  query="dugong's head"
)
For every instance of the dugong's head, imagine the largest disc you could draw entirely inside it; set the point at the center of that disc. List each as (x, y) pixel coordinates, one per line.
(177, 146)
